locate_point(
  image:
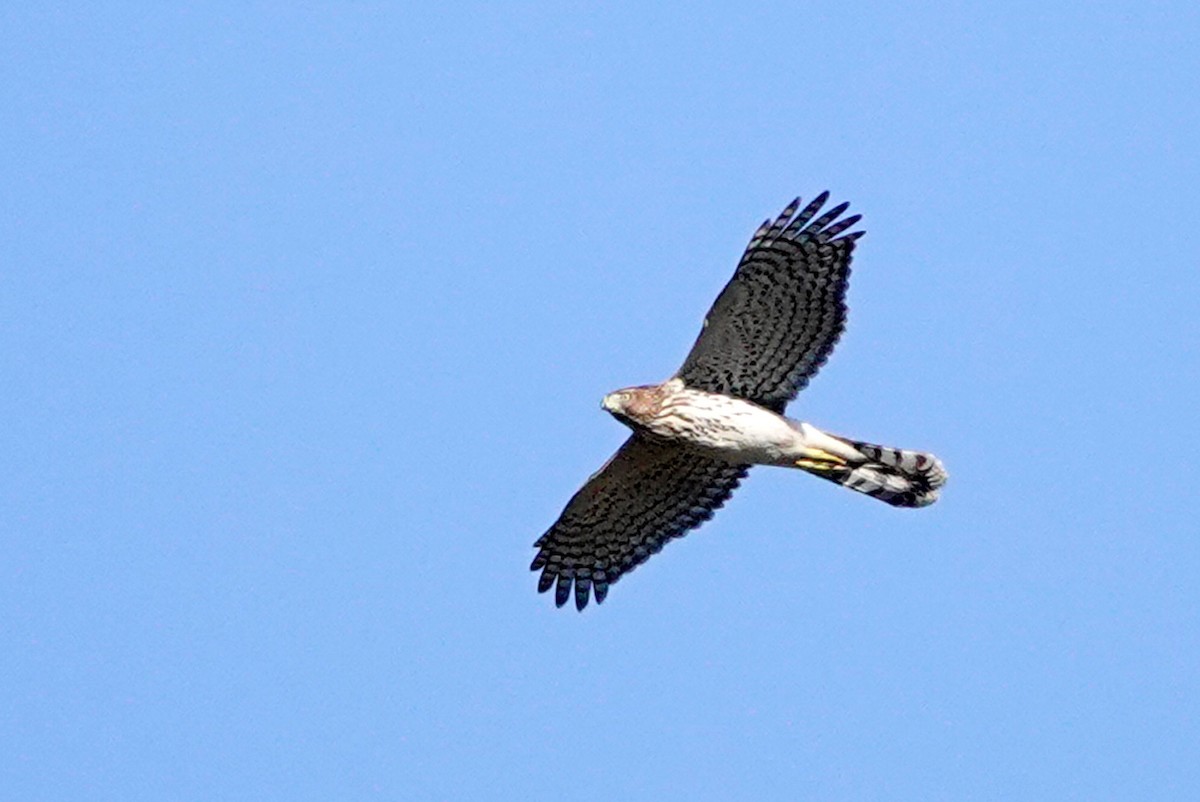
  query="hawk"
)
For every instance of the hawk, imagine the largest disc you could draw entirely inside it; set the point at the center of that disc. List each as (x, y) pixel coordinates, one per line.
(696, 435)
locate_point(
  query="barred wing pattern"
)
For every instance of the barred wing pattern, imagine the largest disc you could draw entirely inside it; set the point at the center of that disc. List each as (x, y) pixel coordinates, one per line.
(645, 495)
(777, 320)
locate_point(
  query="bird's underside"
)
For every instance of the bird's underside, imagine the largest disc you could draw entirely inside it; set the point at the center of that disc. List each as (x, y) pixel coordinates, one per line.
(696, 435)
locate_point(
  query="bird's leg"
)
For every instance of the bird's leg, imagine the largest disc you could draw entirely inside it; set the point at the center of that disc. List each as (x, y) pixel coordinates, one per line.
(820, 452)
(815, 459)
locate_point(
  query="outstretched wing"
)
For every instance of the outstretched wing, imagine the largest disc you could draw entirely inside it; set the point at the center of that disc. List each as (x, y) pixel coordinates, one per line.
(645, 495)
(777, 320)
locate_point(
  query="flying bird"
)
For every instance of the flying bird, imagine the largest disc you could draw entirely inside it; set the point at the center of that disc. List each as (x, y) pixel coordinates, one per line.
(696, 435)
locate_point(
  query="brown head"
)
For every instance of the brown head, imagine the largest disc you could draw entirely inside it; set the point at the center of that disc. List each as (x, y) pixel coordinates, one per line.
(633, 405)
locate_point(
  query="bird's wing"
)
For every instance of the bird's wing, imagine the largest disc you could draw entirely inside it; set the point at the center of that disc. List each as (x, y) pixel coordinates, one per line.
(777, 320)
(645, 495)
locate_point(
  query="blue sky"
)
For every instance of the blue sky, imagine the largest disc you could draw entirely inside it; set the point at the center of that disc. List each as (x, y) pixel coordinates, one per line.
(306, 312)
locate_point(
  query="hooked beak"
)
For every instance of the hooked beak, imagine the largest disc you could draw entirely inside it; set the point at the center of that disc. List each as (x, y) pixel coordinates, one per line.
(611, 403)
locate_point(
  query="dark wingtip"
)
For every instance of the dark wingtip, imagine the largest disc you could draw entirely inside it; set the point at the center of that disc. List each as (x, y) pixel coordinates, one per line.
(583, 589)
(563, 591)
(807, 213)
(842, 225)
(781, 222)
(600, 586)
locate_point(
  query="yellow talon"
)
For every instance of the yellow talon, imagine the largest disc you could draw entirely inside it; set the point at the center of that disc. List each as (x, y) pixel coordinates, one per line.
(818, 460)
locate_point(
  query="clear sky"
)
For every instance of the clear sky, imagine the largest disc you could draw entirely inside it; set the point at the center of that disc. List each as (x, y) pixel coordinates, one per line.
(306, 311)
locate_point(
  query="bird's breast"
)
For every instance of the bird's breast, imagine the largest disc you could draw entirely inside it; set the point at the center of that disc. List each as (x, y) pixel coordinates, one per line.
(736, 430)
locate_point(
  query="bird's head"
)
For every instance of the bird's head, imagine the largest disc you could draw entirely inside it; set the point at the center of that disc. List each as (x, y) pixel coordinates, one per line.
(616, 403)
(633, 405)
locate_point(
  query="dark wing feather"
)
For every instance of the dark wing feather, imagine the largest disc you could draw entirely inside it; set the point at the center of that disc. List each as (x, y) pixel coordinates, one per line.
(645, 495)
(777, 320)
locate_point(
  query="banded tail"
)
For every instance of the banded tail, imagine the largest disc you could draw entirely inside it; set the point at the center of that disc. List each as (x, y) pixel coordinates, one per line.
(900, 478)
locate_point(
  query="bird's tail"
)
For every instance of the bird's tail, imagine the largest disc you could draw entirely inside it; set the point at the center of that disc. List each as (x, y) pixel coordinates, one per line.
(901, 478)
